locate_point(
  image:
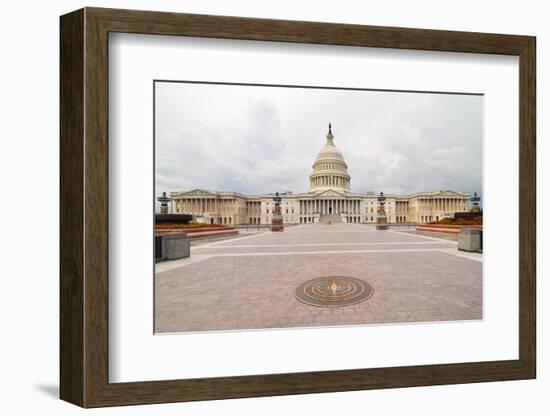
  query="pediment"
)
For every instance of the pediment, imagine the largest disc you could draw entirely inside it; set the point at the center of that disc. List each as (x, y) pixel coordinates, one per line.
(330, 193)
(449, 193)
(198, 192)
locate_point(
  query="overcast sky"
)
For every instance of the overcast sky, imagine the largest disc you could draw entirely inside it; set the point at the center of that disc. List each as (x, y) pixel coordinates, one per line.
(257, 140)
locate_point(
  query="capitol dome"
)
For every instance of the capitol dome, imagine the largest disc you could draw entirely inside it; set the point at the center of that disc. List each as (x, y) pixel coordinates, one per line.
(330, 170)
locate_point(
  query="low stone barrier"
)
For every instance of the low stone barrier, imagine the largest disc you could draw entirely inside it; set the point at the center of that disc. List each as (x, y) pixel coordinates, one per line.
(198, 233)
(172, 246)
(448, 229)
(212, 233)
(470, 239)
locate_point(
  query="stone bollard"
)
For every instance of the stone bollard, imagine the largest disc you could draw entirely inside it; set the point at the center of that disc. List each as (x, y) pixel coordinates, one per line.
(175, 246)
(469, 239)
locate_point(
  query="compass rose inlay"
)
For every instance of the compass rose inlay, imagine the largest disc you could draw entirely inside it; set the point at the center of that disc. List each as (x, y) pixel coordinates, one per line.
(333, 291)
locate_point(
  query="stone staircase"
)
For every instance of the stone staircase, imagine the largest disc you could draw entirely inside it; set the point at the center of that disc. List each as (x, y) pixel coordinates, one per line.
(330, 218)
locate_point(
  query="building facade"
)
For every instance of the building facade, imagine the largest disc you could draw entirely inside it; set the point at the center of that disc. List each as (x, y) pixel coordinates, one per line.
(329, 198)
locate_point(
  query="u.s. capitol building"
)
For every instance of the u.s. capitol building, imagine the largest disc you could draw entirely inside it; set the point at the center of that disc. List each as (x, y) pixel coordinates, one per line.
(329, 198)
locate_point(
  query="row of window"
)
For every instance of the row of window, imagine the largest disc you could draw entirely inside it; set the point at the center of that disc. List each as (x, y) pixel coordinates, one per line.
(332, 167)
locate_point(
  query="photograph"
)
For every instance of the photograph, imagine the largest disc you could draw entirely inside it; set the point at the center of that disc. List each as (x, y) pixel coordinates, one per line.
(286, 206)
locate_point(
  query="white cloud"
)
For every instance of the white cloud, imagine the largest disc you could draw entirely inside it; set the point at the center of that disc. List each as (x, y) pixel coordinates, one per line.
(254, 139)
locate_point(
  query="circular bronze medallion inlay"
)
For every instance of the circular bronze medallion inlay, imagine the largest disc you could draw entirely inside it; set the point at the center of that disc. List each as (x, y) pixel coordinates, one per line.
(332, 291)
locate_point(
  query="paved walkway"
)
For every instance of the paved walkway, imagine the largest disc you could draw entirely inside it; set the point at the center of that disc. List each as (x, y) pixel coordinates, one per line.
(248, 282)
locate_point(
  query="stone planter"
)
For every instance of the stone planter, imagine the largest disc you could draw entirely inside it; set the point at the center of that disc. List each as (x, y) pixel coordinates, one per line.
(172, 246)
(470, 239)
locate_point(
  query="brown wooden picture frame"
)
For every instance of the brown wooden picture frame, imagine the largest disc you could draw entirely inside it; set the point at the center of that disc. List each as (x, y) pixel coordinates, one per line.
(84, 207)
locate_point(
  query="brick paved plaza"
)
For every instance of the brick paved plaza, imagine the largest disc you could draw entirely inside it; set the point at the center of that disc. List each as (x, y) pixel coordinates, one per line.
(248, 282)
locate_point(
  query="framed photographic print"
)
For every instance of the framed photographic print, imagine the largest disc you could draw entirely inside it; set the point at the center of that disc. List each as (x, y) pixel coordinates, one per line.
(255, 207)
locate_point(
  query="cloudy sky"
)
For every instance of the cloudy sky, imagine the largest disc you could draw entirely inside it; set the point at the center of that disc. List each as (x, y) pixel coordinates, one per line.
(254, 139)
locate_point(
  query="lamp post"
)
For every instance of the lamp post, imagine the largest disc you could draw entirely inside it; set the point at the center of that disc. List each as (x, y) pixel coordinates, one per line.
(164, 199)
(475, 203)
(381, 218)
(277, 218)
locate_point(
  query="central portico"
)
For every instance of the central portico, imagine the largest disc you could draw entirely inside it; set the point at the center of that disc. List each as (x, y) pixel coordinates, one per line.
(329, 186)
